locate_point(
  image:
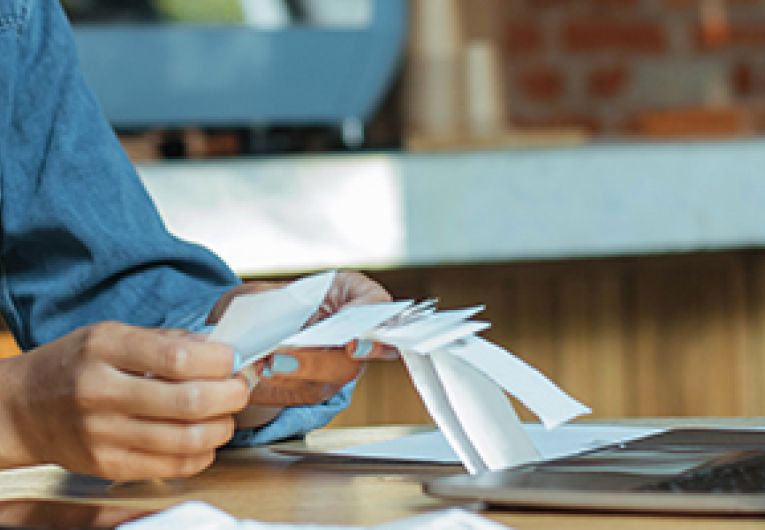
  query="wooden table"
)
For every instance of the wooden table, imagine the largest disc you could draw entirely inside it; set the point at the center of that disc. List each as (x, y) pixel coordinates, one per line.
(260, 484)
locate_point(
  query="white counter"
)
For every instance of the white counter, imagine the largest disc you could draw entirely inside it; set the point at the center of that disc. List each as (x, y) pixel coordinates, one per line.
(383, 210)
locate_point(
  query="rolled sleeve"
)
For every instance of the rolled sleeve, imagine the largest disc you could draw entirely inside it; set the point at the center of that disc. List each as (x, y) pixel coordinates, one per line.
(82, 241)
(295, 421)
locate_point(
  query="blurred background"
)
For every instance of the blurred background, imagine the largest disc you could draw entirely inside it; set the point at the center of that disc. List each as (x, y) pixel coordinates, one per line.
(591, 170)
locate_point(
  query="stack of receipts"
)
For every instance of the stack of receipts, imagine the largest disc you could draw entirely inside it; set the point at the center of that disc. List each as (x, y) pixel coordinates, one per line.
(200, 516)
(461, 377)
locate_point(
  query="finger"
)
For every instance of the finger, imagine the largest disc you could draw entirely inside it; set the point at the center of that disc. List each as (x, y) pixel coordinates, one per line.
(327, 365)
(243, 289)
(160, 437)
(357, 288)
(350, 287)
(159, 352)
(115, 463)
(291, 393)
(180, 401)
(365, 349)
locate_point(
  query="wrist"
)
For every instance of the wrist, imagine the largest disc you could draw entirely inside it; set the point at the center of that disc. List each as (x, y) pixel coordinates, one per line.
(13, 414)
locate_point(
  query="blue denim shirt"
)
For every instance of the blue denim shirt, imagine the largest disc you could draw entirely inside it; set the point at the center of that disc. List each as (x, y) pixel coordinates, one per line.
(80, 239)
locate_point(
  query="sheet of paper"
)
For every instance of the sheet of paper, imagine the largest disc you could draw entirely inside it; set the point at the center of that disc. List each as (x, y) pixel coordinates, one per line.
(350, 323)
(449, 336)
(433, 395)
(432, 447)
(548, 402)
(197, 515)
(404, 336)
(255, 324)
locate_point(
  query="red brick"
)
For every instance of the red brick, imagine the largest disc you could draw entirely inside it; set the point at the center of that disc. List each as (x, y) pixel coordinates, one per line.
(709, 122)
(620, 4)
(681, 4)
(575, 4)
(520, 38)
(742, 78)
(547, 4)
(607, 82)
(748, 35)
(735, 35)
(541, 84)
(588, 123)
(590, 36)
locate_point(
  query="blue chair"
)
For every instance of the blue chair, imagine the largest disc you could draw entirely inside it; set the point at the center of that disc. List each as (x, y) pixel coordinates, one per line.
(231, 75)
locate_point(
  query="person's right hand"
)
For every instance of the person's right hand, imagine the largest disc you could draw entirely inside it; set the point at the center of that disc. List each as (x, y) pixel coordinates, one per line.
(120, 402)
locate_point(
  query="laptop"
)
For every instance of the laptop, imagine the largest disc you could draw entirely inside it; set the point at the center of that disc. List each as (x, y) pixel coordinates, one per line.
(682, 470)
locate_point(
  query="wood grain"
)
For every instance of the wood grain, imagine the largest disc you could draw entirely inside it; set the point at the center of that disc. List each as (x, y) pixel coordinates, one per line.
(676, 335)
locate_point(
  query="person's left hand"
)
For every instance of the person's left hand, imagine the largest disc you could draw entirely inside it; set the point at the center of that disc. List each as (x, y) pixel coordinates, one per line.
(309, 376)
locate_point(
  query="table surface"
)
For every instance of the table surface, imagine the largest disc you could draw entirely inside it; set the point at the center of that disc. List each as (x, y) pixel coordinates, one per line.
(261, 484)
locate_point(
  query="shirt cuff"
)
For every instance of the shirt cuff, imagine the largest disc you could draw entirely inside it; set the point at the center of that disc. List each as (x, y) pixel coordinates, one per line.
(295, 421)
(193, 315)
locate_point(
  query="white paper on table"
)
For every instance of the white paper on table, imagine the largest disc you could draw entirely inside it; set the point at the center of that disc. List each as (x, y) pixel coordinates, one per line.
(197, 515)
(433, 448)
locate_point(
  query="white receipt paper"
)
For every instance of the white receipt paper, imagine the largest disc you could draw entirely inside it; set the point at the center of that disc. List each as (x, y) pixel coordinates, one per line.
(195, 515)
(461, 378)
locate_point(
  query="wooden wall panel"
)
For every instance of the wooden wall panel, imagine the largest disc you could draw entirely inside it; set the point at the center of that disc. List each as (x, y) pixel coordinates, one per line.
(676, 335)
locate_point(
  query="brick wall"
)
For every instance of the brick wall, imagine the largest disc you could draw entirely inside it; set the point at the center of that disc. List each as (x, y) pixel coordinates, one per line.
(624, 67)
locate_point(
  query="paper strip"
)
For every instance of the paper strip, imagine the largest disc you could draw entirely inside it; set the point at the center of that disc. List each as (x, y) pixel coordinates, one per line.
(448, 337)
(434, 397)
(350, 323)
(255, 324)
(548, 402)
(485, 414)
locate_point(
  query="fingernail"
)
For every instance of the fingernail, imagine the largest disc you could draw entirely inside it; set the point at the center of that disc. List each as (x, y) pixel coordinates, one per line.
(237, 361)
(363, 348)
(284, 364)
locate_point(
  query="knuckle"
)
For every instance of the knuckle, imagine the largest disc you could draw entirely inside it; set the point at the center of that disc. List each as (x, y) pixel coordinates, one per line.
(189, 401)
(89, 389)
(173, 360)
(97, 336)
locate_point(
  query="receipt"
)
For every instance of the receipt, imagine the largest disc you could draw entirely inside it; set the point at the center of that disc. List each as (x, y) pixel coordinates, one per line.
(461, 378)
(196, 515)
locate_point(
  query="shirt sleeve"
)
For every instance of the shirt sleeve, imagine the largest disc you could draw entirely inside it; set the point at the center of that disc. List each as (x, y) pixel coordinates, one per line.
(81, 239)
(295, 421)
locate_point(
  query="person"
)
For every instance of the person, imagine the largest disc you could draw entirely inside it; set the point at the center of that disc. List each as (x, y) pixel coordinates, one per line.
(106, 304)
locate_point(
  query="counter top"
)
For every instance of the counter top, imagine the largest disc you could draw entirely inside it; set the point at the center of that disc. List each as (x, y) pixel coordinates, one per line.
(398, 209)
